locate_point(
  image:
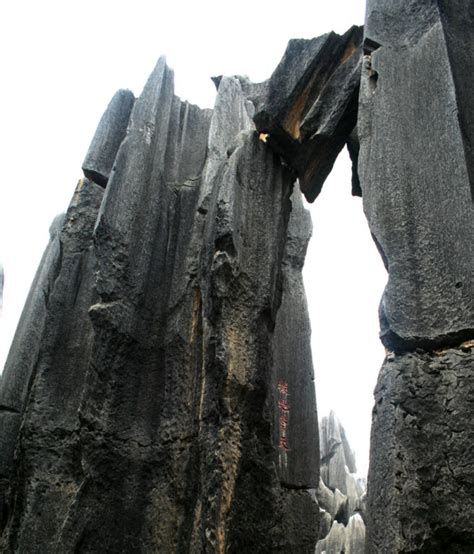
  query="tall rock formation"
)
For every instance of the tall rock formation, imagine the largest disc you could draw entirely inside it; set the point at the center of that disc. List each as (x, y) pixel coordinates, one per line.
(158, 395)
(341, 494)
(416, 133)
(155, 397)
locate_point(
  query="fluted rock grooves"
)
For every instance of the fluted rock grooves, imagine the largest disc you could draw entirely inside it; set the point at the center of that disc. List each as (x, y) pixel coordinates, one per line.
(143, 393)
(158, 395)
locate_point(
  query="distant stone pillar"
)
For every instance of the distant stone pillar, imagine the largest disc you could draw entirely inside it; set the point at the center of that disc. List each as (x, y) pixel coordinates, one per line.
(416, 133)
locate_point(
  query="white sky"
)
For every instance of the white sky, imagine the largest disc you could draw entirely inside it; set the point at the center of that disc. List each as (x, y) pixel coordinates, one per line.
(61, 62)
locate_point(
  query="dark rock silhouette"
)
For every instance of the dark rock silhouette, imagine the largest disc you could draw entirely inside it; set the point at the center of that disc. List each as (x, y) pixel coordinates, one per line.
(308, 107)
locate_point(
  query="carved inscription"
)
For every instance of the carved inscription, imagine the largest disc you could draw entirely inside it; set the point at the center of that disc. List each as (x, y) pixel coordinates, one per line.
(283, 420)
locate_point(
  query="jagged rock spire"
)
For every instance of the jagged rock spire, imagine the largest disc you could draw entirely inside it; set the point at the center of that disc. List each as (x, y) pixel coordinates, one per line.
(341, 494)
(158, 409)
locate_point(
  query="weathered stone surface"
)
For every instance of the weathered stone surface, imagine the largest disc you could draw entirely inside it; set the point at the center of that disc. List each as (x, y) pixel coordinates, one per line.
(295, 413)
(169, 443)
(415, 165)
(421, 476)
(414, 172)
(44, 374)
(308, 107)
(333, 502)
(355, 536)
(337, 457)
(110, 133)
(23, 355)
(342, 539)
(183, 418)
(334, 542)
(340, 493)
(457, 17)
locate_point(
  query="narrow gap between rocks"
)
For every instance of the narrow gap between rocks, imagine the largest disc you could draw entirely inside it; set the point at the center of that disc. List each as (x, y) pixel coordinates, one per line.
(344, 278)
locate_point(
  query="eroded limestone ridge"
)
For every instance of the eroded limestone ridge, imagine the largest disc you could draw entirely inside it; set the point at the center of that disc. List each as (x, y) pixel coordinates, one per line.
(158, 395)
(341, 493)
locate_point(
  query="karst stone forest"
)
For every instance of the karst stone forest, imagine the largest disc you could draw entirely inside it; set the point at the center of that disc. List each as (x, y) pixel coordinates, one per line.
(159, 391)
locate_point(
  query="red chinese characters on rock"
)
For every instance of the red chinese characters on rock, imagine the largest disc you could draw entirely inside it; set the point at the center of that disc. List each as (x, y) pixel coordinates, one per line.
(284, 415)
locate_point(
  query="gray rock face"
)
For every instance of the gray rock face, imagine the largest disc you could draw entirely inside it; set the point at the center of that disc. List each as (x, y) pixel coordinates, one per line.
(24, 352)
(159, 396)
(342, 539)
(154, 385)
(308, 107)
(43, 377)
(421, 477)
(340, 494)
(337, 457)
(457, 17)
(415, 164)
(110, 133)
(417, 196)
(294, 386)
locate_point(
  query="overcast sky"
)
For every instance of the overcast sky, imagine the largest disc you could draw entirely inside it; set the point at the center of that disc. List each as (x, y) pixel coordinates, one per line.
(62, 61)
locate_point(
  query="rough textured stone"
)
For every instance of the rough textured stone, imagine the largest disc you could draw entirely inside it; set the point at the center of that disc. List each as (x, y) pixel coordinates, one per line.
(421, 476)
(341, 494)
(342, 539)
(414, 173)
(110, 133)
(415, 128)
(308, 107)
(43, 376)
(355, 536)
(334, 542)
(295, 411)
(182, 418)
(457, 17)
(24, 351)
(337, 456)
(164, 437)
